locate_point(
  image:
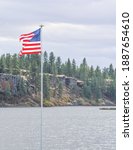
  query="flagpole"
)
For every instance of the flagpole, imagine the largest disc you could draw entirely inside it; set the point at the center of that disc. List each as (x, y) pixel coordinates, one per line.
(41, 141)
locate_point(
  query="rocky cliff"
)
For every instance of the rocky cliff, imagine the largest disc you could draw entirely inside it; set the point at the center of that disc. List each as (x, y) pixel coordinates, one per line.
(63, 91)
(15, 91)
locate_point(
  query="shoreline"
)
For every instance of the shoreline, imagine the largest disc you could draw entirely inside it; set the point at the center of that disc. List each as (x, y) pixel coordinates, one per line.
(105, 107)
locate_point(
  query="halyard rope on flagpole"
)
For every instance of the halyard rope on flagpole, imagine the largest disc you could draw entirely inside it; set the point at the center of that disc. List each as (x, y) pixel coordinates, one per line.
(41, 141)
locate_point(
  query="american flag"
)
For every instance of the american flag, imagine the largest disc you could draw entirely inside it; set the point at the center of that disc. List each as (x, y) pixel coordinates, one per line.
(31, 43)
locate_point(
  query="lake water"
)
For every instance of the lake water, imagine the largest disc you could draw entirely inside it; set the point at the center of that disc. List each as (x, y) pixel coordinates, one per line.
(64, 128)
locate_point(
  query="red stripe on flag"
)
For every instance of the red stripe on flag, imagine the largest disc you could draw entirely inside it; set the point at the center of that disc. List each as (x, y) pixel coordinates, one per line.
(26, 34)
(26, 41)
(34, 48)
(31, 44)
(23, 37)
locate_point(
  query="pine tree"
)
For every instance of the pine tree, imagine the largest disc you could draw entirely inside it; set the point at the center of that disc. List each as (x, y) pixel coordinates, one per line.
(105, 73)
(35, 70)
(68, 68)
(63, 68)
(2, 64)
(46, 65)
(58, 65)
(111, 71)
(92, 72)
(51, 63)
(111, 91)
(98, 72)
(46, 87)
(84, 70)
(73, 68)
(87, 91)
(8, 63)
(15, 65)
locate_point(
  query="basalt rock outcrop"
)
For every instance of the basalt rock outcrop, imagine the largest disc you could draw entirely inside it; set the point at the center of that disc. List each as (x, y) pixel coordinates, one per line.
(16, 90)
(13, 90)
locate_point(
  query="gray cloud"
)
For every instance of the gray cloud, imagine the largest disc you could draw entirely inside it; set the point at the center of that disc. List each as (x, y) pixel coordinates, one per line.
(73, 28)
(73, 11)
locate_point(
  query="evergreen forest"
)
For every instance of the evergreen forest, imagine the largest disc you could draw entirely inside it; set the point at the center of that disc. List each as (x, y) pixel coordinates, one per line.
(99, 82)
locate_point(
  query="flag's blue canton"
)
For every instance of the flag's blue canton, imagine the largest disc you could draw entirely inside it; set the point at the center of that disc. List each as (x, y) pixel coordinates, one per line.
(36, 37)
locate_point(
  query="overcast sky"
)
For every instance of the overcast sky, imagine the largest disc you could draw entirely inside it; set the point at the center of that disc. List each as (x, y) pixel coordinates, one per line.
(73, 28)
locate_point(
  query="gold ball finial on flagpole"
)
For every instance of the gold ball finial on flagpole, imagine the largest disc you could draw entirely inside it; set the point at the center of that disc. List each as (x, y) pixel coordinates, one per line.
(41, 25)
